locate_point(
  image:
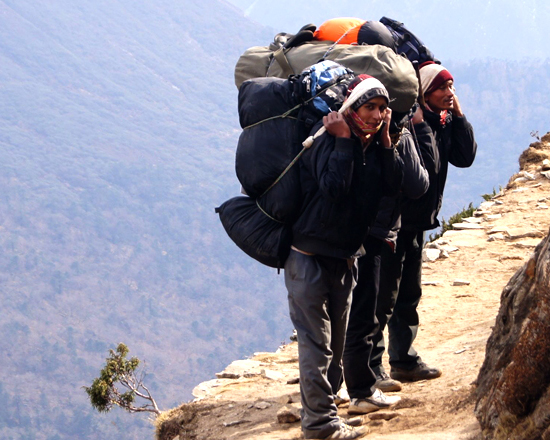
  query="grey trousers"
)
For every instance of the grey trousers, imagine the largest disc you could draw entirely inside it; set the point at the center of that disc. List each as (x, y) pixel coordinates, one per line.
(319, 298)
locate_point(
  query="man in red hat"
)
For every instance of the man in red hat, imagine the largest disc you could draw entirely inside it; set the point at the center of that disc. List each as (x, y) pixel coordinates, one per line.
(445, 136)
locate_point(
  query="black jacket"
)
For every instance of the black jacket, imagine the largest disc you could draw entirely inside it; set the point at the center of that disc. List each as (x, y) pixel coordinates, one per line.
(341, 190)
(440, 144)
(415, 184)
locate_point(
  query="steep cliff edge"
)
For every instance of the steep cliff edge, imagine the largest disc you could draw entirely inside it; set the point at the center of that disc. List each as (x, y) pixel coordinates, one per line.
(463, 282)
(513, 388)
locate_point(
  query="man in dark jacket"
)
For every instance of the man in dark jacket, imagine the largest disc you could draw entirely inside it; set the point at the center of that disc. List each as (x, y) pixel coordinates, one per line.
(445, 136)
(362, 326)
(343, 176)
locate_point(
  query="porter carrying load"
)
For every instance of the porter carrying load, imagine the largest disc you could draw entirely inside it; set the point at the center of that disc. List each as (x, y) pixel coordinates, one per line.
(277, 116)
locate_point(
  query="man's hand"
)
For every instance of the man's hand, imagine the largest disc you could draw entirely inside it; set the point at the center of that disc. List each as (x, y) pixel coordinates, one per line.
(418, 116)
(456, 110)
(385, 135)
(336, 125)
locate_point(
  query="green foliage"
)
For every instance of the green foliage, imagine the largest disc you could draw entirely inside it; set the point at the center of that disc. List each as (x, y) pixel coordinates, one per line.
(489, 196)
(456, 218)
(104, 393)
(459, 216)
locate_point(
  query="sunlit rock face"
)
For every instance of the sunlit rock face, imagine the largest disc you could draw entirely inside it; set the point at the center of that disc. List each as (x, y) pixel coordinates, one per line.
(513, 398)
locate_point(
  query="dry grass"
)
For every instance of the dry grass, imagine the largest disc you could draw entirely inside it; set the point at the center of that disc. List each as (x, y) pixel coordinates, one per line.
(180, 421)
(516, 429)
(534, 155)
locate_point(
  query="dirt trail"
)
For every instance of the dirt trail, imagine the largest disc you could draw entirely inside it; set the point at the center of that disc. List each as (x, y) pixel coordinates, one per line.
(456, 321)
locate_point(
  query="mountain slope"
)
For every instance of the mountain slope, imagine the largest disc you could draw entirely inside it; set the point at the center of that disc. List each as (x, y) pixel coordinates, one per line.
(117, 132)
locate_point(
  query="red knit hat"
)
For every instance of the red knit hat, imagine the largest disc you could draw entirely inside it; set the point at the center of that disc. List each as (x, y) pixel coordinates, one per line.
(432, 75)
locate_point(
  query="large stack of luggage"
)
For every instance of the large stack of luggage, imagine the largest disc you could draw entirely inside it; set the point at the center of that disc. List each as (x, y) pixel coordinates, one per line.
(284, 89)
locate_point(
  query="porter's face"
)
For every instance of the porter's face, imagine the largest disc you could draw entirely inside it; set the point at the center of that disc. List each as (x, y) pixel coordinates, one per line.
(443, 97)
(373, 111)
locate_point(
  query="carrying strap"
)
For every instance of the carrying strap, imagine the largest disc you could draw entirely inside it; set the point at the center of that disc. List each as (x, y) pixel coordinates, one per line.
(286, 170)
(396, 137)
(334, 44)
(286, 114)
(280, 57)
(277, 180)
(421, 100)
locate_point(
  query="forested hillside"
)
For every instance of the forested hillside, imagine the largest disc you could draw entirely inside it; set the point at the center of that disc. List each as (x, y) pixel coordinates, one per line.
(118, 127)
(117, 135)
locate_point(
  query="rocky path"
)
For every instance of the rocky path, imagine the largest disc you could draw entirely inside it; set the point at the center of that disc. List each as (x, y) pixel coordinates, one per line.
(462, 287)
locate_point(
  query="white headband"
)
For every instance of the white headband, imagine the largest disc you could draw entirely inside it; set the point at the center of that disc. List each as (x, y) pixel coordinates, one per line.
(359, 90)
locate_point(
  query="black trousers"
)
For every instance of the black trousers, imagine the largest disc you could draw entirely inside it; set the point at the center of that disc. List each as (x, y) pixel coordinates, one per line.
(398, 298)
(362, 326)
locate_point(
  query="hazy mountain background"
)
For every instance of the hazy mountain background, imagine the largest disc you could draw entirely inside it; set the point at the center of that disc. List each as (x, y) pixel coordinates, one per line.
(453, 29)
(118, 127)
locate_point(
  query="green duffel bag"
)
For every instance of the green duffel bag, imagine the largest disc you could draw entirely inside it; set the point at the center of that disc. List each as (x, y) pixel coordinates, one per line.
(394, 71)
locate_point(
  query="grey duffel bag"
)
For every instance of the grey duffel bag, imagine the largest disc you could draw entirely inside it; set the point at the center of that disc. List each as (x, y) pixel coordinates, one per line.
(394, 71)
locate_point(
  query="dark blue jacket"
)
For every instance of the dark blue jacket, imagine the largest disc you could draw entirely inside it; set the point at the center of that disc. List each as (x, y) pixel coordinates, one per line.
(415, 184)
(440, 144)
(342, 188)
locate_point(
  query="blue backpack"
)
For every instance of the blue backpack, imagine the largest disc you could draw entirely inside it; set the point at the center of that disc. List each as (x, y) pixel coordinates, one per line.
(319, 78)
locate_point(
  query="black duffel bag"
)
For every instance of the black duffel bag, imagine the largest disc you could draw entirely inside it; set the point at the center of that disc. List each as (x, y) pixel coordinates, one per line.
(257, 234)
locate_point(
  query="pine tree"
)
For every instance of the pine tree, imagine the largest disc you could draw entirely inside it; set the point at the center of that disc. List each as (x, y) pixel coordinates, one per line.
(104, 393)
